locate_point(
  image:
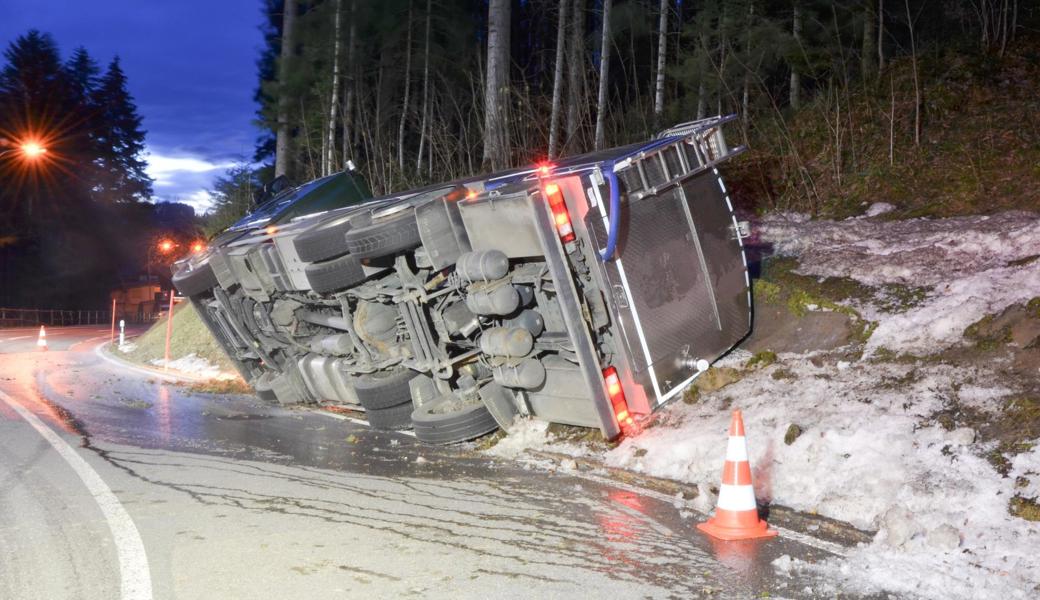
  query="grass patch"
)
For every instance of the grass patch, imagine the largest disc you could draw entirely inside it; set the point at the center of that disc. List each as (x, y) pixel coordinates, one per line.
(761, 359)
(985, 336)
(190, 336)
(221, 386)
(1025, 508)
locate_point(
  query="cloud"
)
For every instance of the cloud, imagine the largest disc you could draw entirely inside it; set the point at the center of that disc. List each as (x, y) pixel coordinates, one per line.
(185, 178)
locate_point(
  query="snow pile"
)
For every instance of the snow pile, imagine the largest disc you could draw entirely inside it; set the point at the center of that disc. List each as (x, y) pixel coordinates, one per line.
(194, 365)
(126, 347)
(879, 208)
(941, 511)
(975, 266)
(526, 434)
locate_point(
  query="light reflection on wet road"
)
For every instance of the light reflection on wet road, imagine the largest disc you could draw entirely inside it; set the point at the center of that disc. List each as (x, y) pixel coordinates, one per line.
(234, 498)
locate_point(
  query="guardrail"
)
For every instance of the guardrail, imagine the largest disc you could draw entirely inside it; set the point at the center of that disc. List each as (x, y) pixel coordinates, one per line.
(30, 317)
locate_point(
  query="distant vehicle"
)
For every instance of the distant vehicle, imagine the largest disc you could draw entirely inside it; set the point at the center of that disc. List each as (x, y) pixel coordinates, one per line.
(588, 292)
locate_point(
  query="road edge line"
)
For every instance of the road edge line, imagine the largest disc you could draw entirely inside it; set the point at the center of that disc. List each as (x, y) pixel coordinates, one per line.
(118, 362)
(135, 576)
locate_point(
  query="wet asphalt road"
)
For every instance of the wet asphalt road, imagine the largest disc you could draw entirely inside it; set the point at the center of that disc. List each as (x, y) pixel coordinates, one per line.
(230, 498)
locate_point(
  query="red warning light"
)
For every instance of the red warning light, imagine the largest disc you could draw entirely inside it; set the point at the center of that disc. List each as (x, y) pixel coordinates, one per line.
(617, 398)
(561, 217)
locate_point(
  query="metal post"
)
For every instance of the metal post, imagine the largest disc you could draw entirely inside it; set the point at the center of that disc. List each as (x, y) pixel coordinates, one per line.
(169, 331)
(112, 337)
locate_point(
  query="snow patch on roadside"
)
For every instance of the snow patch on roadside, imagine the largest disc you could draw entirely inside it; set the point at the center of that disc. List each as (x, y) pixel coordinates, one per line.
(127, 347)
(192, 364)
(970, 262)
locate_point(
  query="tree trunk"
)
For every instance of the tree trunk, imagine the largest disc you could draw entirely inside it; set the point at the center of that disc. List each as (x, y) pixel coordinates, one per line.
(867, 55)
(576, 66)
(604, 76)
(423, 137)
(880, 37)
(281, 148)
(348, 105)
(662, 55)
(745, 101)
(330, 158)
(796, 77)
(702, 73)
(407, 91)
(496, 151)
(917, 85)
(557, 98)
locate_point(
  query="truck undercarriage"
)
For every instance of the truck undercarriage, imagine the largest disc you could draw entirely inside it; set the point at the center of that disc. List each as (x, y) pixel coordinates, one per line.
(588, 292)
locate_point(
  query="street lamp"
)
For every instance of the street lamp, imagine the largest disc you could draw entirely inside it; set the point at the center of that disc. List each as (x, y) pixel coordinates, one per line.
(31, 150)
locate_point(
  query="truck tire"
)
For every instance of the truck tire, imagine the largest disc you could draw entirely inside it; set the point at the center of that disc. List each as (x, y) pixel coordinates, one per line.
(194, 282)
(334, 274)
(436, 423)
(384, 389)
(324, 241)
(385, 237)
(393, 418)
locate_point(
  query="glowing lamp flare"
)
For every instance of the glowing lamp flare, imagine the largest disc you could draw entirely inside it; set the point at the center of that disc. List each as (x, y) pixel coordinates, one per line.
(198, 247)
(165, 246)
(33, 149)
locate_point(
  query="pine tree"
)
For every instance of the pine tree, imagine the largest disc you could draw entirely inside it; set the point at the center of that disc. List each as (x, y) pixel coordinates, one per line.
(119, 142)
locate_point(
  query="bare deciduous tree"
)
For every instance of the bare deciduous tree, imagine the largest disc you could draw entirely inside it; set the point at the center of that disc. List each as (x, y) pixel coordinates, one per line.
(282, 149)
(330, 144)
(662, 54)
(604, 75)
(496, 151)
(557, 97)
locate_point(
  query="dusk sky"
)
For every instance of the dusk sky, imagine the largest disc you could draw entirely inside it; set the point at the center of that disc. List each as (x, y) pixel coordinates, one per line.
(191, 66)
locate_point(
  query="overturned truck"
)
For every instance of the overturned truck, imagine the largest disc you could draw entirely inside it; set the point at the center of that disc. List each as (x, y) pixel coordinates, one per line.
(586, 292)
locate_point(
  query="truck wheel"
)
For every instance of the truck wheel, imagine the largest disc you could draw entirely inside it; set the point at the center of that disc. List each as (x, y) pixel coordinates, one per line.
(324, 241)
(447, 421)
(385, 237)
(393, 418)
(334, 274)
(194, 282)
(384, 389)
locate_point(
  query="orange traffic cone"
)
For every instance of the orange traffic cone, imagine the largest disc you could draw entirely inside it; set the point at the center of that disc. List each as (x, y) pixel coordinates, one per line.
(736, 514)
(41, 342)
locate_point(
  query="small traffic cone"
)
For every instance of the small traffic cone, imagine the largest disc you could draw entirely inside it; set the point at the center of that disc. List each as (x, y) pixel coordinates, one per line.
(41, 342)
(736, 514)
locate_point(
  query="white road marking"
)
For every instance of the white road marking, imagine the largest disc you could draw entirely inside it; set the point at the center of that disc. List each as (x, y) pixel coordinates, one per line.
(140, 370)
(135, 578)
(21, 337)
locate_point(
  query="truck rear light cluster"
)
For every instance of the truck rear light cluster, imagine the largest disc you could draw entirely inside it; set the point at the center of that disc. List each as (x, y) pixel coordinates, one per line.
(617, 399)
(561, 217)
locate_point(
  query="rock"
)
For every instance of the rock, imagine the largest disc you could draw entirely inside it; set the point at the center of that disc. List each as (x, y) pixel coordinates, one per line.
(793, 431)
(962, 436)
(944, 537)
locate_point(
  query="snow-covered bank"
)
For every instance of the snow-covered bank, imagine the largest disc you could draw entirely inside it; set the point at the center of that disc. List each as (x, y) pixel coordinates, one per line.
(975, 266)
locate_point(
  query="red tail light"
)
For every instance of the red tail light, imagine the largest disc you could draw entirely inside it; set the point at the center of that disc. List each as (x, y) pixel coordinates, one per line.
(617, 398)
(561, 217)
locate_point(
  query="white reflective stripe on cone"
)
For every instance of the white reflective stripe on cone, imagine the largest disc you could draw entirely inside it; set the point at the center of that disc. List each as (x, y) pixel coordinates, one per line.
(737, 497)
(736, 449)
